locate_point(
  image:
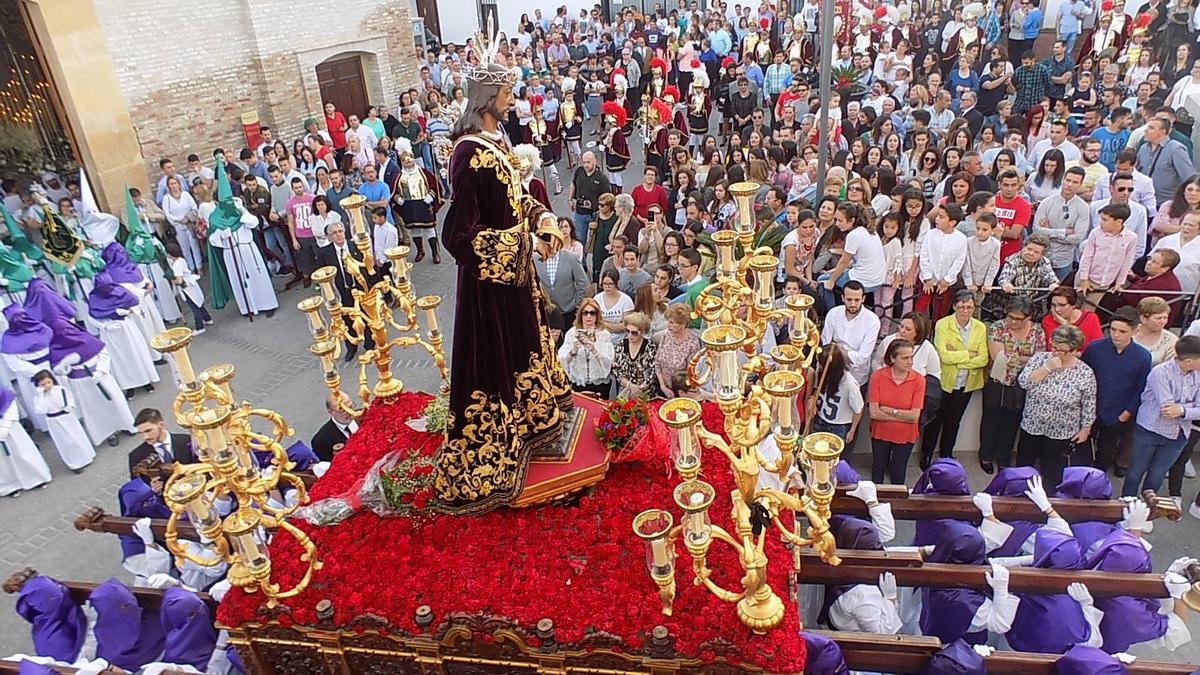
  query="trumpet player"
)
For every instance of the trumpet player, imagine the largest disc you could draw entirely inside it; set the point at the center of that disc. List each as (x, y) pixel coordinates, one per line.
(699, 109)
(615, 146)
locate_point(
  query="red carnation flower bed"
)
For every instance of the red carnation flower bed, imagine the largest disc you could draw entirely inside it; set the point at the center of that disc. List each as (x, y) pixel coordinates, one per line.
(579, 565)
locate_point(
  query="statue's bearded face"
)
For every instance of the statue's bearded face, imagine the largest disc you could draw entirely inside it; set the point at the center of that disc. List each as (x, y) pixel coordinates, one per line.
(499, 105)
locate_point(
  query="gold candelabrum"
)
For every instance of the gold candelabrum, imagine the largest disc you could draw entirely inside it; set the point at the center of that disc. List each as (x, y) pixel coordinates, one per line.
(757, 393)
(378, 297)
(228, 473)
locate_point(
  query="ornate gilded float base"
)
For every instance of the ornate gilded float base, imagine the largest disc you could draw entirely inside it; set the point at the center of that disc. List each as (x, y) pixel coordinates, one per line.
(584, 463)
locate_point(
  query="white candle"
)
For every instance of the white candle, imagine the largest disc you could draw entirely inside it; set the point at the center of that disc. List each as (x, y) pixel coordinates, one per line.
(431, 319)
(184, 365)
(686, 451)
(659, 548)
(785, 413)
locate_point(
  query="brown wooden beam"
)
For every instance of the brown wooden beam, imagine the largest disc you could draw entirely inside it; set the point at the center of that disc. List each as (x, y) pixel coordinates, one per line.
(934, 507)
(911, 654)
(95, 519)
(864, 567)
(80, 590)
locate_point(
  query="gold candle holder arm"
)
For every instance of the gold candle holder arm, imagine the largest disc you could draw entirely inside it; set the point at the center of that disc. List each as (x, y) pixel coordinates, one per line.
(181, 552)
(271, 589)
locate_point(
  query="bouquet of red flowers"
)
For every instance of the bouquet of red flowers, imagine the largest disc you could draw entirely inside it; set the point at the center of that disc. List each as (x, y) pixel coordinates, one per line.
(622, 418)
(408, 486)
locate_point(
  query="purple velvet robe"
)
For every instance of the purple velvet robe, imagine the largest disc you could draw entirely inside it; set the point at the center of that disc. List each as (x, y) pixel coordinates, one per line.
(188, 627)
(59, 625)
(42, 303)
(823, 656)
(138, 500)
(126, 634)
(852, 533)
(946, 613)
(508, 391)
(1083, 660)
(956, 658)
(1050, 623)
(1011, 482)
(1085, 482)
(944, 476)
(1127, 621)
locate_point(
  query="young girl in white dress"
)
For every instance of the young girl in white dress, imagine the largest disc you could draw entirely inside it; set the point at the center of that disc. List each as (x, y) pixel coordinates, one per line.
(57, 403)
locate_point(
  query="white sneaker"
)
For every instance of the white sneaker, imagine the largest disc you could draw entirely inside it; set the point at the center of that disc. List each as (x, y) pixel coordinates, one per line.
(1189, 471)
(1194, 510)
(199, 331)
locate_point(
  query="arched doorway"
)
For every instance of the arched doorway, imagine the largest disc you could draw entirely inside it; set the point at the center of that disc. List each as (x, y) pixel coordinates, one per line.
(341, 82)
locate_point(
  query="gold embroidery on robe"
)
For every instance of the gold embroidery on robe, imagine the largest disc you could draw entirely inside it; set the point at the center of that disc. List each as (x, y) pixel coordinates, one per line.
(504, 256)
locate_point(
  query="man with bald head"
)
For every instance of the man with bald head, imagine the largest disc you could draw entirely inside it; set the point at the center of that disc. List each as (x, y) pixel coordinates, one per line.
(332, 436)
(588, 183)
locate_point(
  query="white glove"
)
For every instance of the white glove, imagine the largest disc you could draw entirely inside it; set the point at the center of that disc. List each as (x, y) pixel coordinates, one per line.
(1080, 593)
(1037, 494)
(162, 581)
(983, 502)
(865, 491)
(998, 579)
(142, 529)
(121, 311)
(887, 586)
(428, 199)
(1124, 657)
(1137, 514)
(320, 468)
(219, 589)
(1180, 565)
(1176, 584)
(984, 650)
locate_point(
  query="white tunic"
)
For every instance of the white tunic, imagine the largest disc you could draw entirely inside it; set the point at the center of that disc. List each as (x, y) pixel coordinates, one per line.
(21, 465)
(102, 404)
(162, 293)
(58, 405)
(149, 321)
(249, 276)
(132, 360)
(23, 368)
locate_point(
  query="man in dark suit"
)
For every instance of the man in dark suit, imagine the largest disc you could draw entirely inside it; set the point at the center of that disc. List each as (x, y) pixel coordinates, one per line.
(385, 167)
(334, 255)
(330, 438)
(170, 448)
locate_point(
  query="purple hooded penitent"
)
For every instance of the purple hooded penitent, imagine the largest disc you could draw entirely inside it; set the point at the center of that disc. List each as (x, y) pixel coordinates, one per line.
(59, 625)
(188, 626)
(1084, 660)
(71, 339)
(24, 335)
(1127, 621)
(126, 635)
(1085, 482)
(946, 613)
(138, 500)
(944, 476)
(1011, 482)
(27, 667)
(119, 266)
(956, 658)
(823, 655)
(43, 304)
(854, 533)
(845, 474)
(1050, 623)
(107, 297)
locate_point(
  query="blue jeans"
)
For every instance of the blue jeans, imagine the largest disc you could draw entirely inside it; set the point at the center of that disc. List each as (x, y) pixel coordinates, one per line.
(276, 240)
(827, 296)
(1070, 40)
(199, 313)
(1062, 272)
(582, 221)
(1152, 457)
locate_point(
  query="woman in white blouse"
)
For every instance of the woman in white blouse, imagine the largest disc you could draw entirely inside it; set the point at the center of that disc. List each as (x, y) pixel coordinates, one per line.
(613, 304)
(587, 351)
(182, 213)
(321, 218)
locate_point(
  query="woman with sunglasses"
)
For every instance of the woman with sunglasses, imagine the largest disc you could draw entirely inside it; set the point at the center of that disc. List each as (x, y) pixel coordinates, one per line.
(1012, 341)
(587, 351)
(634, 366)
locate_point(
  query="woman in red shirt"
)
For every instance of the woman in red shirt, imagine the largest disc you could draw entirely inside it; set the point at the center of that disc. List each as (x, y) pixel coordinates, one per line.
(896, 395)
(1064, 311)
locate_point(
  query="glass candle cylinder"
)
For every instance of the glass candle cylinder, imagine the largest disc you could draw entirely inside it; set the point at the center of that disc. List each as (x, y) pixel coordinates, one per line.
(823, 451)
(187, 493)
(743, 195)
(727, 375)
(241, 527)
(694, 497)
(764, 268)
(429, 304)
(653, 527)
(682, 415)
(724, 240)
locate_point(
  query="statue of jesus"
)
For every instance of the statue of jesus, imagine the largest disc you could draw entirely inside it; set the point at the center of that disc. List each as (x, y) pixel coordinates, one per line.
(508, 393)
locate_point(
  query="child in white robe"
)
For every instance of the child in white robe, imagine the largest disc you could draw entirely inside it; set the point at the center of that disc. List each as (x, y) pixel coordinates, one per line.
(57, 403)
(21, 465)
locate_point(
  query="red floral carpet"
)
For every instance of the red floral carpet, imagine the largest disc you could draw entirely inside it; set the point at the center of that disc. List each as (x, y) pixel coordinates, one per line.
(579, 565)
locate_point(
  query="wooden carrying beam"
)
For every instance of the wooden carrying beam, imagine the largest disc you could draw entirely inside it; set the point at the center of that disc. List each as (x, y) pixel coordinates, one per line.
(935, 507)
(911, 654)
(80, 590)
(307, 477)
(864, 567)
(95, 519)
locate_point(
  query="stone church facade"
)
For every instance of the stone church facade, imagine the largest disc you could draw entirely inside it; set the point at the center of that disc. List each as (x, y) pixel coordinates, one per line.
(139, 80)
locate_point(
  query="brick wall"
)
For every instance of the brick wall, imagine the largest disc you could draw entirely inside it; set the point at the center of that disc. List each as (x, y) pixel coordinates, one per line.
(187, 71)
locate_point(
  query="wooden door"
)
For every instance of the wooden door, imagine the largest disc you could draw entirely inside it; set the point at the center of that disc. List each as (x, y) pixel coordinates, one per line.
(428, 11)
(341, 83)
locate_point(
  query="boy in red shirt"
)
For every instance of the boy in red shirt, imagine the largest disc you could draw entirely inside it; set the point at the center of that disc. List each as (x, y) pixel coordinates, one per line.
(1012, 213)
(335, 124)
